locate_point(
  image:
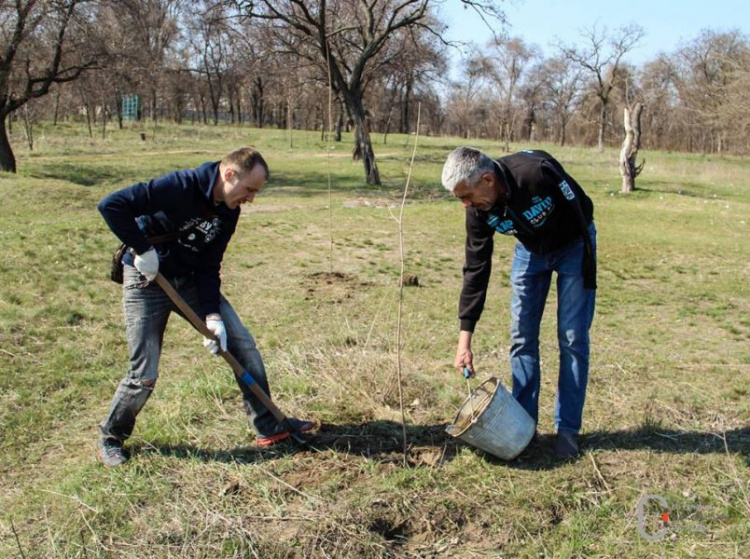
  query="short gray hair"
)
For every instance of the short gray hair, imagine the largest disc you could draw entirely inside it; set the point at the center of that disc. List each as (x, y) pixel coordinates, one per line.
(465, 164)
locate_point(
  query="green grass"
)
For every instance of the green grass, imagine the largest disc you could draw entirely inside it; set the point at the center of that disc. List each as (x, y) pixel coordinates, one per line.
(314, 273)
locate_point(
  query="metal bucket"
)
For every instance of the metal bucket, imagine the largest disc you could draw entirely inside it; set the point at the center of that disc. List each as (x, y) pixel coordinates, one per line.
(492, 419)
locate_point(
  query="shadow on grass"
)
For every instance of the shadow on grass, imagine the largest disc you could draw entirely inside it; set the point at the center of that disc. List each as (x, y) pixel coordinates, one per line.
(83, 175)
(539, 455)
(687, 189)
(381, 441)
(430, 446)
(237, 455)
(671, 441)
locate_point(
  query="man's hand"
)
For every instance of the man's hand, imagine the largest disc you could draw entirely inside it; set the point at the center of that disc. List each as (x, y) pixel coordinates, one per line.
(147, 264)
(464, 356)
(216, 325)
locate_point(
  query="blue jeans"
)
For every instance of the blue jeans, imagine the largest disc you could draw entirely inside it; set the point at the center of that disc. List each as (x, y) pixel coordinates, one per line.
(530, 279)
(147, 310)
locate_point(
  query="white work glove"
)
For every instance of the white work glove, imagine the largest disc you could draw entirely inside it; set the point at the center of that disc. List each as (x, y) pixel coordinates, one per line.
(147, 264)
(216, 325)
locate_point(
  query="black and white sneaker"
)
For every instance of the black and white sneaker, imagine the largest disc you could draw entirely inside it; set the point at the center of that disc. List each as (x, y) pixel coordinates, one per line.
(112, 453)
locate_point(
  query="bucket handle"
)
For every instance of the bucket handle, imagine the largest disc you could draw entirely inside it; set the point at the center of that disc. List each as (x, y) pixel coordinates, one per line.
(467, 376)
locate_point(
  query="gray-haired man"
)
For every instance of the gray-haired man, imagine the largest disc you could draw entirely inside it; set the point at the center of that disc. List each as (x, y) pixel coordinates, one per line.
(530, 196)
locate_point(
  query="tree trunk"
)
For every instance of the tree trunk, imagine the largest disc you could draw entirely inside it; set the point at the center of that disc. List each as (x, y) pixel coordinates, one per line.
(57, 106)
(406, 100)
(153, 104)
(628, 168)
(104, 123)
(388, 127)
(204, 109)
(290, 120)
(362, 143)
(118, 105)
(7, 159)
(563, 131)
(257, 100)
(215, 108)
(88, 119)
(363, 147)
(28, 127)
(339, 123)
(602, 124)
(528, 126)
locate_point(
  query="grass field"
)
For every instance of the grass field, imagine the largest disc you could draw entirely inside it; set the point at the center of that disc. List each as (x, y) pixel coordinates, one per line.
(313, 269)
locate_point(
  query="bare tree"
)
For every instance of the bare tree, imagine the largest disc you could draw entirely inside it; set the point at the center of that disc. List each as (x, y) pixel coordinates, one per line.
(562, 83)
(703, 73)
(467, 96)
(601, 57)
(662, 120)
(348, 38)
(148, 30)
(40, 44)
(506, 61)
(212, 50)
(531, 95)
(734, 116)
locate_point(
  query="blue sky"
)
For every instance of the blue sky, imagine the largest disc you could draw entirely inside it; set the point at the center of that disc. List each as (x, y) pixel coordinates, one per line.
(667, 23)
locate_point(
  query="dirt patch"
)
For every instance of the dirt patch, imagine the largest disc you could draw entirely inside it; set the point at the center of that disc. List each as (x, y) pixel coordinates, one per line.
(428, 445)
(331, 277)
(343, 471)
(331, 287)
(374, 203)
(249, 210)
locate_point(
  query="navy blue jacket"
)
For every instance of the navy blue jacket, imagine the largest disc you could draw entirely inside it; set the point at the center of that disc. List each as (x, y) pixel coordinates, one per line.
(179, 203)
(544, 208)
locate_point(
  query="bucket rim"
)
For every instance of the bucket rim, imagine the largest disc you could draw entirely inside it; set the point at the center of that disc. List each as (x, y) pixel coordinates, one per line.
(496, 382)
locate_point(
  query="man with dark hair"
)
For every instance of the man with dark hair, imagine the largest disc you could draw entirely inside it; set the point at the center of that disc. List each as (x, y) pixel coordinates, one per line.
(530, 196)
(180, 225)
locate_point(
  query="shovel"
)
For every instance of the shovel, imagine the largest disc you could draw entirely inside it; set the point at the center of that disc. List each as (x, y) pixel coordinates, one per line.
(239, 371)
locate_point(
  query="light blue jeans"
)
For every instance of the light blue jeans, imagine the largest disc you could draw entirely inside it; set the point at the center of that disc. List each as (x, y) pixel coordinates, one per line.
(147, 310)
(530, 279)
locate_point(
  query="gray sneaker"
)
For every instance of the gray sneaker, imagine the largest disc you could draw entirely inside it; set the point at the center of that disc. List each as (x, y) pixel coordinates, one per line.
(111, 452)
(566, 445)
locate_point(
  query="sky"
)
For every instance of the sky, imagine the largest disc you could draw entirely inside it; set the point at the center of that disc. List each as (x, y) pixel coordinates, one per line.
(667, 23)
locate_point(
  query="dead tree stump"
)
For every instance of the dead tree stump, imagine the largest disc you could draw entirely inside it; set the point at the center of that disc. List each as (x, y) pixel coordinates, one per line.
(630, 146)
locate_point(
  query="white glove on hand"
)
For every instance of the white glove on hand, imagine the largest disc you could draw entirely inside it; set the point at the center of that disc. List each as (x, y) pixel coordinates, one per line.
(147, 264)
(216, 325)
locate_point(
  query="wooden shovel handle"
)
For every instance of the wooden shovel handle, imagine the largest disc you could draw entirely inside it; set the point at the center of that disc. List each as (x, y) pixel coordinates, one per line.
(237, 368)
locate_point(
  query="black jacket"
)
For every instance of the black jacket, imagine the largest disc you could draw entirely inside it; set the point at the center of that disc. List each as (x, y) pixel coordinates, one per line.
(544, 208)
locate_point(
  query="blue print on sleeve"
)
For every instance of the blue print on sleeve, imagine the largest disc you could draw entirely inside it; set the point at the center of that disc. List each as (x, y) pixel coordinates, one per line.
(566, 190)
(505, 226)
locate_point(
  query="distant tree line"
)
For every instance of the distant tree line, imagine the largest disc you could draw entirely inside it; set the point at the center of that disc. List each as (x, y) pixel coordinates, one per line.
(367, 66)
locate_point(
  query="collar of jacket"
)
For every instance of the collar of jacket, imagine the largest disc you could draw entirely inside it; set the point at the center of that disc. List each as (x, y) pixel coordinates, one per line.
(509, 183)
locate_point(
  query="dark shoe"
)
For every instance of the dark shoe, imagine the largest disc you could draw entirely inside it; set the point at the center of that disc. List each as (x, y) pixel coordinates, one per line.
(111, 453)
(279, 434)
(566, 445)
